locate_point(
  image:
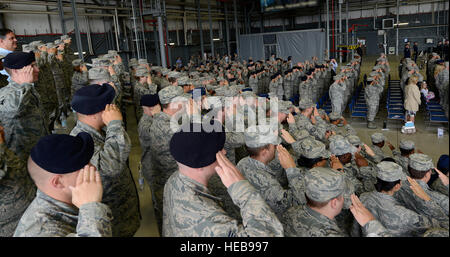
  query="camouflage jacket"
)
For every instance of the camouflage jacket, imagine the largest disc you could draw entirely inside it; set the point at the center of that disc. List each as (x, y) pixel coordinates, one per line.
(47, 217)
(397, 219)
(17, 190)
(22, 116)
(112, 148)
(144, 138)
(439, 187)
(190, 210)
(302, 221)
(79, 80)
(436, 208)
(265, 181)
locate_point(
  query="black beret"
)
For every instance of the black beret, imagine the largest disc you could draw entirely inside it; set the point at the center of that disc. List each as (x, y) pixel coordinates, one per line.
(296, 67)
(62, 153)
(197, 149)
(273, 76)
(308, 72)
(18, 60)
(149, 100)
(232, 79)
(312, 70)
(246, 89)
(93, 98)
(304, 78)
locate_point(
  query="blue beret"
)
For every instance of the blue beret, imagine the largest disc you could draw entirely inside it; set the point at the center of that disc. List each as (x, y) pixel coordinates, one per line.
(93, 99)
(18, 60)
(149, 100)
(247, 89)
(62, 154)
(197, 149)
(443, 163)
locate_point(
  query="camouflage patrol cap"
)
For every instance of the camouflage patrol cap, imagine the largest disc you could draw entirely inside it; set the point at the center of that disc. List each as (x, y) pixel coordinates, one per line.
(354, 140)
(312, 149)
(141, 72)
(184, 80)
(50, 45)
(377, 138)
(390, 171)
(99, 73)
(420, 162)
(334, 116)
(341, 146)
(77, 62)
(215, 102)
(100, 62)
(284, 106)
(112, 52)
(323, 184)
(305, 104)
(261, 135)
(109, 57)
(406, 145)
(168, 93)
(132, 62)
(26, 48)
(142, 61)
(165, 71)
(58, 42)
(65, 37)
(302, 134)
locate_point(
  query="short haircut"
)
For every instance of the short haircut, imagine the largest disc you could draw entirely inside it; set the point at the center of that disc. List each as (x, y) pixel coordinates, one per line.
(4, 32)
(386, 186)
(406, 152)
(389, 159)
(172, 80)
(312, 203)
(308, 163)
(417, 174)
(252, 151)
(165, 106)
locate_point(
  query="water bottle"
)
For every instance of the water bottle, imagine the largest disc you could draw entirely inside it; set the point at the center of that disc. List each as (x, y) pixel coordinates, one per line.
(63, 121)
(141, 179)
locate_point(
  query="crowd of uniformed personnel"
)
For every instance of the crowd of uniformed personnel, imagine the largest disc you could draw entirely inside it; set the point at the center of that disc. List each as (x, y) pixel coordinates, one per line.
(215, 164)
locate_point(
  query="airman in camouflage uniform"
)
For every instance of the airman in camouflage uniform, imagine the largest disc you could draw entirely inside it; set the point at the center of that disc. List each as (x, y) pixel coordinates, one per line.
(323, 185)
(21, 112)
(403, 160)
(142, 87)
(397, 219)
(378, 138)
(17, 190)
(336, 92)
(79, 78)
(73, 214)
(191, 210)
(112, 148)
(263, 178)
(163, 163)
(58, 77)
(437, 207)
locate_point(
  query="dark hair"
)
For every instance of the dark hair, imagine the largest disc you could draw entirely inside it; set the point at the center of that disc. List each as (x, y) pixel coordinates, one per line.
(417, 174)
(312, 203)
(4, 32)
(344, 156)
(255, 151)
(382, 185)
(389, 159)
(164, 106)
(308, 163)
(172, 80)
(77, 68)
(406, 152)
(381, 144)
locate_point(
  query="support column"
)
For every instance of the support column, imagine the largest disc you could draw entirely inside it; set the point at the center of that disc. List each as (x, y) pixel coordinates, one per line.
(227, 27)
(236, 28)
(340, 29)
(328, 30)
(61, 17)
(199, 25)
(77, 31)
(211, 30)
(398, 22)
(161, 42)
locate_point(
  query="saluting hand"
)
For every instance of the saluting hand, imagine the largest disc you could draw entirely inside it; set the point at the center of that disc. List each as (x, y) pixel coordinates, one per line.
(418, 190)
(360, 212)
(111, 113)
(442, 176)
(88, 187)
(285, 158)
(287, 137)
(227, 172)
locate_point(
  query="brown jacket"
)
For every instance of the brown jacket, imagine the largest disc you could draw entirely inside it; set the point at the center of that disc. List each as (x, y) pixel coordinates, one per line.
(412, 98)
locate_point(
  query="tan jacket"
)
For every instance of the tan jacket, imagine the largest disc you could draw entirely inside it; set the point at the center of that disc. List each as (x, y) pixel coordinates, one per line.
(412, 97)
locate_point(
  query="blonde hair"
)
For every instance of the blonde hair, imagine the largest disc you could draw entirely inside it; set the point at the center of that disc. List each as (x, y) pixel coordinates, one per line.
(438, 69)
(413, 79)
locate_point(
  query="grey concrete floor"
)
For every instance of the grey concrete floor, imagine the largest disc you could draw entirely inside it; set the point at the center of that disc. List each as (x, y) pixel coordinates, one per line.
(425, 138)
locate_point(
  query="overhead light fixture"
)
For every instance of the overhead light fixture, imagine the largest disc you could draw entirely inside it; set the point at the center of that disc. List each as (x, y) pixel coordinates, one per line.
(171, 44)
(76, 53)
(216, 39)
(401, 24)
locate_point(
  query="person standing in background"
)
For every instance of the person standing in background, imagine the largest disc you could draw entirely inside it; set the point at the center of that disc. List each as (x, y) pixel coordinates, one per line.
(416, 51)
